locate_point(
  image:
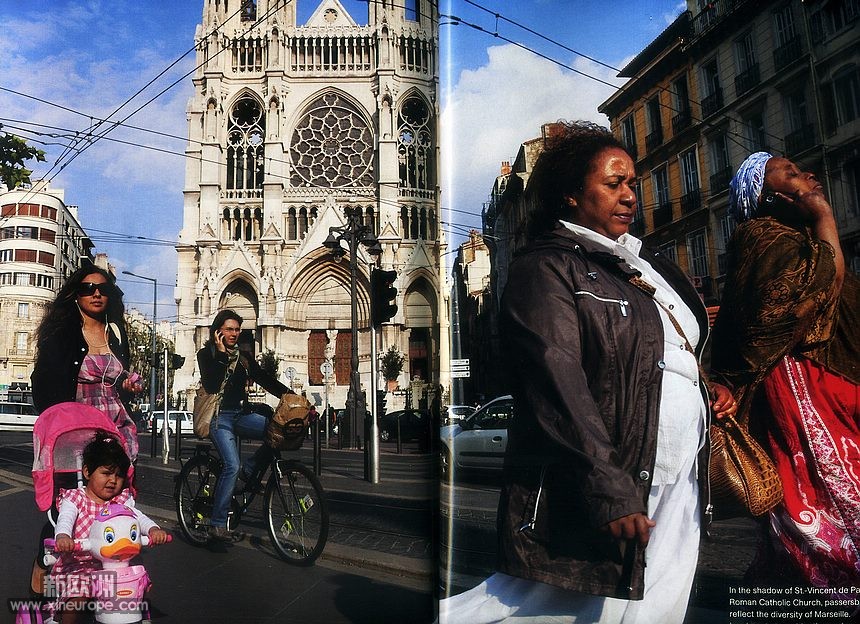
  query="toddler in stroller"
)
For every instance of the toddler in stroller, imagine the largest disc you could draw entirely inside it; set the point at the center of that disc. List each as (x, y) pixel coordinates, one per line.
(97, 528)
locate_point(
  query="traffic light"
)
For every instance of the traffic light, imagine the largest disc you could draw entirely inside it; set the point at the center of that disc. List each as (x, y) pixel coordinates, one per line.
(176, 360)
(382, 294)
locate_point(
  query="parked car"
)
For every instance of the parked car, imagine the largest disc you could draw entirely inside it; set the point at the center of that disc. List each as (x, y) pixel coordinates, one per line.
(478, 442)
(414, 425)
(185, 419)
(452, 414)
(16, 416)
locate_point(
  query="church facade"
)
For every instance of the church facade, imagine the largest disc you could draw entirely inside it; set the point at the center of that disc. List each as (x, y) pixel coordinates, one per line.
(295, 130)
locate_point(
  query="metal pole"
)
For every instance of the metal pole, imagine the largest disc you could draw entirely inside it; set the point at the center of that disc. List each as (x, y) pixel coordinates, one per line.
(153, 379)
(327, 419)
(373, 442)
(165, 428)
(354, 380)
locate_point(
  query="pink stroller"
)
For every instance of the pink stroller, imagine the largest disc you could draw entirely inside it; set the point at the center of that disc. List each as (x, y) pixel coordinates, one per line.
(59, 436)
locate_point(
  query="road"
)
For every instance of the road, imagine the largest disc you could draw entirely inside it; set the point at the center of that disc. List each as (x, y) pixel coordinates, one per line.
(376, 568)
(382, 562)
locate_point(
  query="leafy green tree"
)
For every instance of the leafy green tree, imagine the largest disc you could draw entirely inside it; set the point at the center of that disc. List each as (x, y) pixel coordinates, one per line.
(140, 356)
(392, 363)
(269, 362)
(14, 152)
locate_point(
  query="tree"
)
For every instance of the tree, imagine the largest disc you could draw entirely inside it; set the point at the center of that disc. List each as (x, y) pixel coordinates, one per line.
(140, 354)
(392, 364)
(14, 151)
(269, 362)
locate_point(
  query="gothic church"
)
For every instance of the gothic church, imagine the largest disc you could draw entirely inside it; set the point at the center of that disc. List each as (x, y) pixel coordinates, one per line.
(292, 130)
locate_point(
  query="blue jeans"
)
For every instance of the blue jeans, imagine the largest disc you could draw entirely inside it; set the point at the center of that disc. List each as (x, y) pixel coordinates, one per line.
(227, 426)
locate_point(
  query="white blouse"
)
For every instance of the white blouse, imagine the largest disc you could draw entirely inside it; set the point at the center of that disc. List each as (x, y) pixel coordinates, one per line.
(682, 412)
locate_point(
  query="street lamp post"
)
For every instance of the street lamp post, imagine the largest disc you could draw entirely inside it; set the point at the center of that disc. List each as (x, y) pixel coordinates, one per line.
(152, 375)
(353, 233)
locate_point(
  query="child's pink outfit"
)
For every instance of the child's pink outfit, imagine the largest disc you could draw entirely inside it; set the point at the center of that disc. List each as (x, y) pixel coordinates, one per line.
(71, 573)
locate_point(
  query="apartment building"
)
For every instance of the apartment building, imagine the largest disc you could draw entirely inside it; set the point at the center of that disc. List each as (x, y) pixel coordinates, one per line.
(725, 79)
(41, 243)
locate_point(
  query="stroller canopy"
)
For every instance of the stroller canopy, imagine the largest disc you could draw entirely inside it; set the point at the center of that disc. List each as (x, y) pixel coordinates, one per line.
(59, 436)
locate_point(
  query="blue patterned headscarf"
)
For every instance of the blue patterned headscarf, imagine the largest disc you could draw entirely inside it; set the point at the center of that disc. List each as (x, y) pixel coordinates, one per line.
(745, 187)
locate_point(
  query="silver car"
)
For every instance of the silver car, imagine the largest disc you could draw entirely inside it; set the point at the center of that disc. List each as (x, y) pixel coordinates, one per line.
(452, 414)
(184, 419)
(478, 442)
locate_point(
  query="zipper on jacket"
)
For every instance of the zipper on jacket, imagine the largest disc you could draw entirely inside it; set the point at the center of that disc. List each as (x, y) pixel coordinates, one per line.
(623, 303)
(533, 520)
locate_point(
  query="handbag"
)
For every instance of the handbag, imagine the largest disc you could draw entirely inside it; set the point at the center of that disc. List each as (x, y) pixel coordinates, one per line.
(288, 426)
(206, 405)
(743, 479)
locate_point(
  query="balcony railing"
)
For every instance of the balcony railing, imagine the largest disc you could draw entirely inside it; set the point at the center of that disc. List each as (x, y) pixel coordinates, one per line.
(681, 121)
(720, 180)
(654, 140)
(799, 140)
(747, 80)
(691, 201)
(712, 103)
(713, 13)
(663, 215)
(787, 53)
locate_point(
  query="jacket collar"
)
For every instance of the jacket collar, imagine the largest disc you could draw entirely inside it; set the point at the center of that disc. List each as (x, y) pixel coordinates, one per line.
(563, 238)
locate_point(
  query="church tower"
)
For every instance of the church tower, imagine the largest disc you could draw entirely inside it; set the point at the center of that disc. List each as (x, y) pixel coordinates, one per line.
(292, 128)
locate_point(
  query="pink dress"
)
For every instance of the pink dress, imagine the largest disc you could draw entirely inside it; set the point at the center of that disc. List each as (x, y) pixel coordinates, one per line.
(98, 386)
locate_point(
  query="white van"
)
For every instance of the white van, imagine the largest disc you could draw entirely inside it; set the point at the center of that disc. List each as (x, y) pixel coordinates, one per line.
(17, 416)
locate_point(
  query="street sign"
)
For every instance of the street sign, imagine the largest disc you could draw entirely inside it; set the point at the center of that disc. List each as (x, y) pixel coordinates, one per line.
(459, 374)
(326, 369)
(455, 363)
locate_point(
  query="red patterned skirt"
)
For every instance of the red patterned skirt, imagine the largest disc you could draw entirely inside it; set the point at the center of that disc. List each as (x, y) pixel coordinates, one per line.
(814, 439)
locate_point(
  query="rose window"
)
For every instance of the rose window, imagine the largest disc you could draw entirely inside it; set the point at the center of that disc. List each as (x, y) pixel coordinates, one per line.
(332, 146)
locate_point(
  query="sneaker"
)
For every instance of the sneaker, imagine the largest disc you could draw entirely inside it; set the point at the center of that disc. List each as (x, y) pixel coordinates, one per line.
(221, 534)
(247, 484)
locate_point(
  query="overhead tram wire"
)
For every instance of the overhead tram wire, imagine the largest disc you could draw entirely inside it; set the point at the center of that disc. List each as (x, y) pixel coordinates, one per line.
(93, 138)
(645, 206)
(114, 125)
(729, 134)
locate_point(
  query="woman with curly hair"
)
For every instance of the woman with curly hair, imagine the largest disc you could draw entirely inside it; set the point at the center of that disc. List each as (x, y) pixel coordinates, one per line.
(82, 350)
(608, 440)
(82, 356)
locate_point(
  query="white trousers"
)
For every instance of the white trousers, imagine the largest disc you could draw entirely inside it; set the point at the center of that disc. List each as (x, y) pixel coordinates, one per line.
(671, 559)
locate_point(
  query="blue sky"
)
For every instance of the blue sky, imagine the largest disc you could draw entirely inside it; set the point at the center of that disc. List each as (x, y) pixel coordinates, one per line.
(65, 63)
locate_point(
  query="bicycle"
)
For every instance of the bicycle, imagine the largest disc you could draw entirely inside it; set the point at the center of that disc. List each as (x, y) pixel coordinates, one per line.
(294, 504)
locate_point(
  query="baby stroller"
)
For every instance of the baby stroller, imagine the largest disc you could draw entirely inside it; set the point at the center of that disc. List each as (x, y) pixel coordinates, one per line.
(59, 436)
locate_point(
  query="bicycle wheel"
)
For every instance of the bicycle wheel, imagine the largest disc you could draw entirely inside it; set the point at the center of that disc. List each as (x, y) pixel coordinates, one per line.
(194, 495)
(296, 513)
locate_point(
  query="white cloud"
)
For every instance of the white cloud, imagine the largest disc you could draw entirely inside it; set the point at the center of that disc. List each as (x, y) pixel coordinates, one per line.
(493, 109)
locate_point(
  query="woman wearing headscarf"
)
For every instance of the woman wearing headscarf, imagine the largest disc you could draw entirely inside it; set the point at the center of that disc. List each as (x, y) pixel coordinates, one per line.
(786, 339)
(608, 439)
